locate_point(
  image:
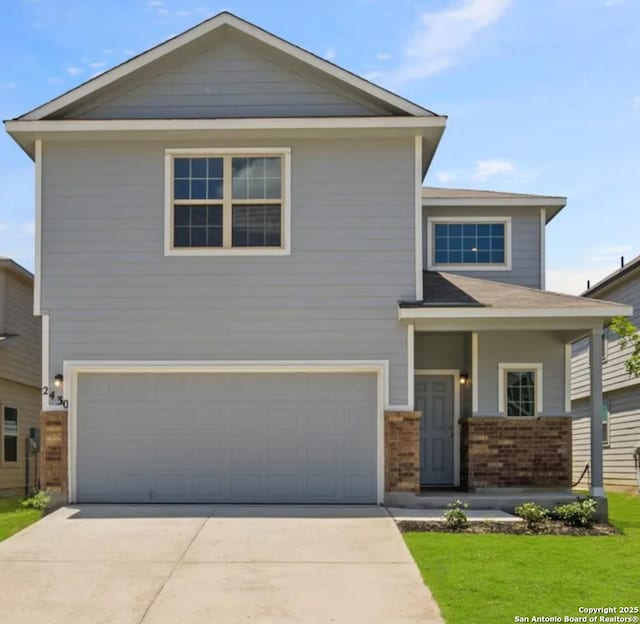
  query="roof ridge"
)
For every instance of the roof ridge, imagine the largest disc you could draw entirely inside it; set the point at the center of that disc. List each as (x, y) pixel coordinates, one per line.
(477, 190)
(613, 276)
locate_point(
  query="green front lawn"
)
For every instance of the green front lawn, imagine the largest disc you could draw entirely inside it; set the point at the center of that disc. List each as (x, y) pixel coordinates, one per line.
(13, 517)
(494, 578)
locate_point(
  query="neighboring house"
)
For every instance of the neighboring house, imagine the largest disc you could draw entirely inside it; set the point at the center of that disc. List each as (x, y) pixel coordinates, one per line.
(20, 374)
(248, 292)
(621, 413)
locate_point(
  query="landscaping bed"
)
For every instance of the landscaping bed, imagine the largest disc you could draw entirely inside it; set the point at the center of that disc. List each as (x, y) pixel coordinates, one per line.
(513, 528)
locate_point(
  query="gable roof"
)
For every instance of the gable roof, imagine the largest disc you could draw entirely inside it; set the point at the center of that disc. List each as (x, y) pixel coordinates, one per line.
(614, 277)
(449, 290)
(434, 196)
(108, 78)
(14, 267)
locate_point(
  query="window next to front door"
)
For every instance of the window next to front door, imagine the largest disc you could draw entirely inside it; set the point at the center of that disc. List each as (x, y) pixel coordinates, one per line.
(520, 390)
(227, 202)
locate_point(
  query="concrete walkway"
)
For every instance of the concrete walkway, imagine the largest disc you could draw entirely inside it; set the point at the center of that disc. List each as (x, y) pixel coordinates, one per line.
(169, 564)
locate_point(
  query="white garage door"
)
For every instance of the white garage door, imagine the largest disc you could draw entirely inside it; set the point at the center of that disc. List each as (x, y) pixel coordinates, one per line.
(236, 438)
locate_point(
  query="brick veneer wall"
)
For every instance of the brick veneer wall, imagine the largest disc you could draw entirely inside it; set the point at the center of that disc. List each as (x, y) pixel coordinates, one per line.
(402, 451)
(54, 454)
(512, 452)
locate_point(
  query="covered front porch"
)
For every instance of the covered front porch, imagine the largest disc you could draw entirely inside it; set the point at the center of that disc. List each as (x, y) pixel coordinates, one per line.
(491, 385)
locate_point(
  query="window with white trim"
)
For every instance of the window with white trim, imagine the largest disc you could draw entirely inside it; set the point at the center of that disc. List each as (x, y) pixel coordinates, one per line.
(520, 390)
(227, 201)
(10, 435)
(605, 424)
(469, 243)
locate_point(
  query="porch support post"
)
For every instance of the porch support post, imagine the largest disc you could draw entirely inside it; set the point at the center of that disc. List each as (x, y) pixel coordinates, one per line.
(595, 354)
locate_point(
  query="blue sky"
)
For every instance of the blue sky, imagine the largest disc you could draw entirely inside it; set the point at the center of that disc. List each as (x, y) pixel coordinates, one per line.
(543, 96)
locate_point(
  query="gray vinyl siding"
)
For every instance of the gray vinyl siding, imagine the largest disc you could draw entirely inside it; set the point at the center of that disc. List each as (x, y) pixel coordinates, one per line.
(226, 77)
(624, 436)
(530, 347)
(446, 351)
(20, 355)
(26, 399)
(613, 371)
(113, 295)
(525, 242)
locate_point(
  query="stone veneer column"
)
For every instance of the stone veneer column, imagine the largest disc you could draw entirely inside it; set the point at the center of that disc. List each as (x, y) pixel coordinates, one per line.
(54, 455)
(402, 452)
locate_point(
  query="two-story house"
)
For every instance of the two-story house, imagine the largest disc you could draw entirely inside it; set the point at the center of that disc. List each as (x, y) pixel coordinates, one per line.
(20, 374)
(621, 408)
(251, 298)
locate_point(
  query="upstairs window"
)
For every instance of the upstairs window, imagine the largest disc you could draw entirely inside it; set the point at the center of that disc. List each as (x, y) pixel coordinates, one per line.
(10, 435)
(469, 243)
(233, 202)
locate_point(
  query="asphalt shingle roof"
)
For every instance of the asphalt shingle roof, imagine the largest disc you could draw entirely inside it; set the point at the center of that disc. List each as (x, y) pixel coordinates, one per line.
(451, 290)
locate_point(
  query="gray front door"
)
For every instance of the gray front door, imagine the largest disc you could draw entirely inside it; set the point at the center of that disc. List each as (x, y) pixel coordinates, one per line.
(434, 398)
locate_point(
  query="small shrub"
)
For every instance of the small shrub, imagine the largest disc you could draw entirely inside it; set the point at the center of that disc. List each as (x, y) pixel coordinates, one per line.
(534, 515)
(580, 513)
(39, 500)
(455, 517)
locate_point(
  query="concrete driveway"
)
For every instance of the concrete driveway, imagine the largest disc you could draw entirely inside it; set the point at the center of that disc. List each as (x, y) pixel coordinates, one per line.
(188, 564)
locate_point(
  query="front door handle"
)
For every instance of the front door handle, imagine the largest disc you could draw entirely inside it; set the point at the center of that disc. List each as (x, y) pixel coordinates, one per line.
(451, 432)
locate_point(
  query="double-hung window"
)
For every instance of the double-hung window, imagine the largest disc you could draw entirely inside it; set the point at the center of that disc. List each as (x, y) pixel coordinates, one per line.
(231, 201)
(520, 389)
(469, 243)
(10, 434)
(605, 424)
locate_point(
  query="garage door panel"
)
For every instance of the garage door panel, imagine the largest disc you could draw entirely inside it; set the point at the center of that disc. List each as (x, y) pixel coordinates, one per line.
(239, 438)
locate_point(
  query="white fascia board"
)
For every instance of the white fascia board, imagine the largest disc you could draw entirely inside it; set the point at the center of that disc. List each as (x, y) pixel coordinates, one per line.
(250, 123)
(224, 19)
(475, 313)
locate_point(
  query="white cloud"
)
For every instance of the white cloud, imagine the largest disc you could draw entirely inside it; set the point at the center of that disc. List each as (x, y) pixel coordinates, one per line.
(486, 169)
(182, 13)
(7, 85)
(596, 265)
(612, 2)
(74, 71)
(383, 56)
(330, 54)
(446, 176)
(162, 11)
(636, 102)
(108, 51)
(443, 35)
(571, 281)
(97, 64)
(155, 3)
(372, 75)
